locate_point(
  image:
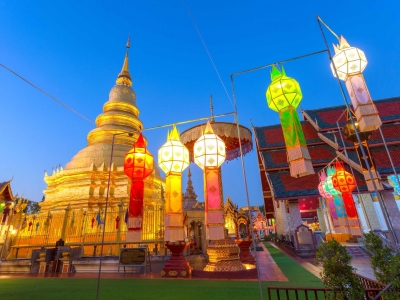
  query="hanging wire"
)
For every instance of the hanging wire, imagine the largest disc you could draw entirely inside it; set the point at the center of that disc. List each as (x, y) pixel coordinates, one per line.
(188, 121)
(47, 94)
(380, 197)
(208, 52)
(352, 172)
(276, 63)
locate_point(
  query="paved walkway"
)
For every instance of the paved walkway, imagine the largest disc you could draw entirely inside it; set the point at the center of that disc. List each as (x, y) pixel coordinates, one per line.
(360, 261)
(268, 269)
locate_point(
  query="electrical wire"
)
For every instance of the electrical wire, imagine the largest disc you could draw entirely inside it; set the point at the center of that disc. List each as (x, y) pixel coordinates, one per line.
(47, 94)
(208, 52)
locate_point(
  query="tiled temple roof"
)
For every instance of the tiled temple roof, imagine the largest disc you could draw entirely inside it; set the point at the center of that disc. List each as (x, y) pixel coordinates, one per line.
(323, 140)
(389, 110)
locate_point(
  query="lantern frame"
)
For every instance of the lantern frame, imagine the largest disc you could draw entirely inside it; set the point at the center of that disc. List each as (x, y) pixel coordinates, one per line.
(342, 180)
(138, 162)
(348, 60)
(209, 149)
(283, 92)
(173, 156)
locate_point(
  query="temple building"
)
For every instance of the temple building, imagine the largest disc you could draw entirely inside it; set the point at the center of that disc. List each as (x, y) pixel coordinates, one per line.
(295, 201)
(82, 184)
(74, 206)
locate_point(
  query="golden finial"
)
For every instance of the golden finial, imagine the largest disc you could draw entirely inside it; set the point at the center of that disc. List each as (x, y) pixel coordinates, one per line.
(212, 109)
(124, 77)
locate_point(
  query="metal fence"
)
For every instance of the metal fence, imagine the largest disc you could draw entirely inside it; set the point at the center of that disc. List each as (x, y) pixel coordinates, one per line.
(84, 228)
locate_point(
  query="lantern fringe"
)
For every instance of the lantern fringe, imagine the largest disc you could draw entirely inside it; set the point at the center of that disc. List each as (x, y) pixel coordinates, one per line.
(173, 220)
(134, 236)
(301, 167)
(297, 153)
(376, 178)
(215, 233)
(134, 223)
(173, 234)
(215, 217)
(353, 222)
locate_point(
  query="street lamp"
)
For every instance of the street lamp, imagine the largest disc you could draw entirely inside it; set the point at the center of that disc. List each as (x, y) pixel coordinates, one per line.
(284, 96)
(209, 154)
(348, 64)
(138, 165)
(173, 158)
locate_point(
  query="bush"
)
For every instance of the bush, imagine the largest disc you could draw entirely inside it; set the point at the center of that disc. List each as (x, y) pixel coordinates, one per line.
(337, 272)
(385, 264)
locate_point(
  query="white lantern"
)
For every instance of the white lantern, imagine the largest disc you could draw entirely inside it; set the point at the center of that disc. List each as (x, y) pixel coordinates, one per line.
(209, 149)
(173, 156)
(348, 60)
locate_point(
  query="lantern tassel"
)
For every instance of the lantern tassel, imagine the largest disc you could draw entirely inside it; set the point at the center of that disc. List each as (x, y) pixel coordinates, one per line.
(296, 147)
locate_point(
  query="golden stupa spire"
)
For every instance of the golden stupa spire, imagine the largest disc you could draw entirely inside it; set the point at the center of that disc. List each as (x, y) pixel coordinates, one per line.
(124, 78)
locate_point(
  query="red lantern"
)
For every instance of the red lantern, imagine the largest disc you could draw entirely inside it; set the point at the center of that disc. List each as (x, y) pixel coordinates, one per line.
(138, 165)
(345, 183)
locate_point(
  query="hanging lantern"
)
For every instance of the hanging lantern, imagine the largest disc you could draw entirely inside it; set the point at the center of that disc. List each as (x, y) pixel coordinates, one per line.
(321, 188)
(349, 63)
(173, 158)
(349, 132)
(209, 154)
(209, 149)
(284, 96)
(138, 165)
(394, 183)
(345, 183)
(337, 199)
(324, 193)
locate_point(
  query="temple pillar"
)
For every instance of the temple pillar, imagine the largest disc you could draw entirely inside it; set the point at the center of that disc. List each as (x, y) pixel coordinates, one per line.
(370, 211)
(379, 213)
(121, 217)
(294, 217)
(279, 218)
(65, 222)
(393, 211)
(361, 215)
(327, 215)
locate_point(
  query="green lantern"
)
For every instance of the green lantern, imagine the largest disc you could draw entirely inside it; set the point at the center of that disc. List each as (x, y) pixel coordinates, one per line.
(284, 96)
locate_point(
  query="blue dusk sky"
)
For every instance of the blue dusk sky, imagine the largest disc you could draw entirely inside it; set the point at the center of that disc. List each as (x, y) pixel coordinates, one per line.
(74, 50)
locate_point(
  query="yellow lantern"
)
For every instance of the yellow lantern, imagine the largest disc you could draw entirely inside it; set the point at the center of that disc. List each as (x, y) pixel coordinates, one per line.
(173, 156)
(209, 149)
(349, 63)
(209, 154)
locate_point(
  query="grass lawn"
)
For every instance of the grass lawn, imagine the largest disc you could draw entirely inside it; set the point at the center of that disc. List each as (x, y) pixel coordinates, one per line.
(143, 289)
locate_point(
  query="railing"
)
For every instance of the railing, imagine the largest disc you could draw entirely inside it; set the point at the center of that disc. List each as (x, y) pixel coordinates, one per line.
(288, 293)
(287, 248)
(371, 288)
(369, 283)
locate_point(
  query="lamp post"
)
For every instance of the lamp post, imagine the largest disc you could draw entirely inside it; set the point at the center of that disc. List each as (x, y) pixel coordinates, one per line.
(284, 96)
(138, 165)
(173, 158)
(348, 64)
(209, 154)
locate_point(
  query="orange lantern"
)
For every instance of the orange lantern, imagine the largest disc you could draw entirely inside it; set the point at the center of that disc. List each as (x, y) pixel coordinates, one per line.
(345, 183)
(138, 165)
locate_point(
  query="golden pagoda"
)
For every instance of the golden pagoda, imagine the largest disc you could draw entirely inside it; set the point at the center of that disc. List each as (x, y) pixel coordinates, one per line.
(83, 182)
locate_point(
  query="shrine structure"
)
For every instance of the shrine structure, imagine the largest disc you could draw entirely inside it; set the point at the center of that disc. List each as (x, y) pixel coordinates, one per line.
(290, 201)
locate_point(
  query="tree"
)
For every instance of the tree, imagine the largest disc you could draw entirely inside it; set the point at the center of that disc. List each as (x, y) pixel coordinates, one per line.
(385, 264)
(32, 207)
(337, 272)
